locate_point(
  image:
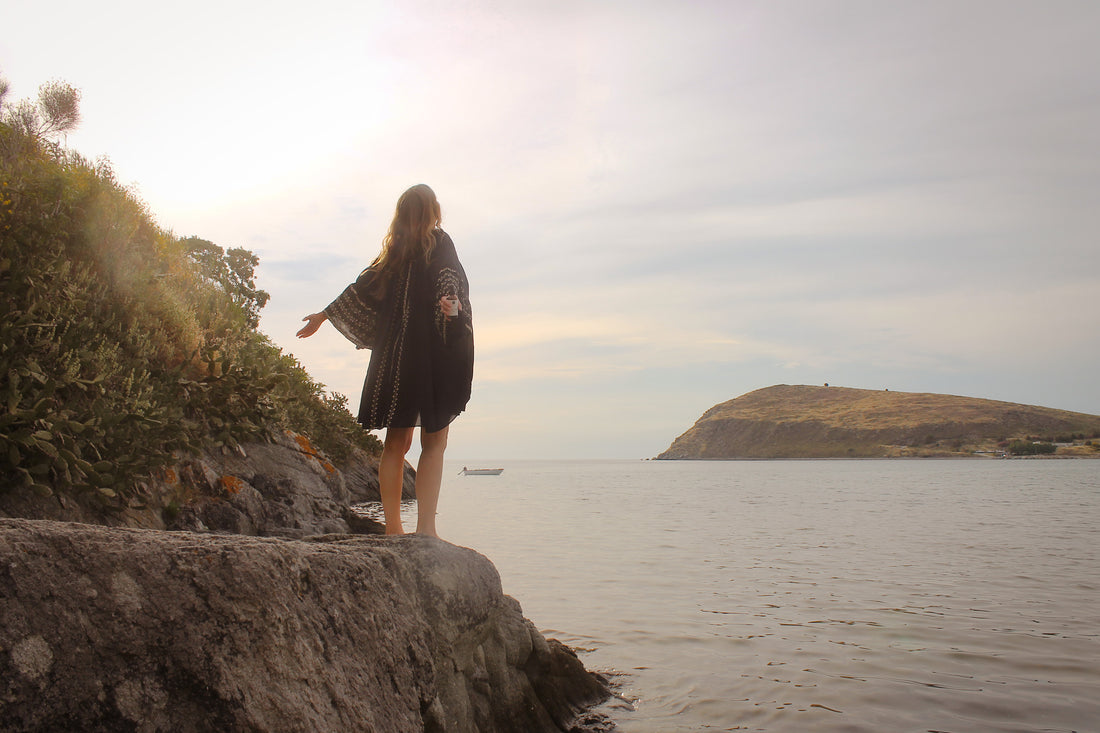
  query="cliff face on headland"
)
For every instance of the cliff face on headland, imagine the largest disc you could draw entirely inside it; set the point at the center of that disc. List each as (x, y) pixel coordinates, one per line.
(105, 629)
(801, 421)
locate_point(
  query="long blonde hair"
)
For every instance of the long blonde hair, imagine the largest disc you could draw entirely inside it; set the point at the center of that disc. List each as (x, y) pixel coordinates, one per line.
(411, 232)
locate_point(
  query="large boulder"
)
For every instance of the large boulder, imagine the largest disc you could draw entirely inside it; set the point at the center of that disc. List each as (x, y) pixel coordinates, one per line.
(284, 487)
(107, 629)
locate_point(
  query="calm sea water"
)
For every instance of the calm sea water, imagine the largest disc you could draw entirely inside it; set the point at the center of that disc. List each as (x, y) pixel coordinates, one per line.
(808, 595)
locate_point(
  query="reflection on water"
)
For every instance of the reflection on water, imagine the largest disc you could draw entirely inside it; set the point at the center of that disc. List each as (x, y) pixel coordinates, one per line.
(808, 595)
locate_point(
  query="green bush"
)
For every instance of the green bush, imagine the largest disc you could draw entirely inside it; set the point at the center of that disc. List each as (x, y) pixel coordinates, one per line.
(1029, 448)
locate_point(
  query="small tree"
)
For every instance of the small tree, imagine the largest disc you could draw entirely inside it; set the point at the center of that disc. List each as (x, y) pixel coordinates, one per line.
(234, 270)
(55, 112)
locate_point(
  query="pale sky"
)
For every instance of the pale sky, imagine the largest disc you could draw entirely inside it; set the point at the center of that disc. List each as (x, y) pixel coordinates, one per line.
(660, 205)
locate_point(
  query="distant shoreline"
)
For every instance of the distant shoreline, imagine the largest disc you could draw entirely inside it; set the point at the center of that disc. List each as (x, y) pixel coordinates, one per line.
(893, 458)
(802, 421)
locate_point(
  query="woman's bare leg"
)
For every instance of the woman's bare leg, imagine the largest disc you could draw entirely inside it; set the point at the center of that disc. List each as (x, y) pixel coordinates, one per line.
(429, 477)
(391, 475)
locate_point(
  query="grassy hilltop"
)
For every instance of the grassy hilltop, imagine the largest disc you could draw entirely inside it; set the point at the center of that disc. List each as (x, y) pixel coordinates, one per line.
(122, 344)
(788, 421)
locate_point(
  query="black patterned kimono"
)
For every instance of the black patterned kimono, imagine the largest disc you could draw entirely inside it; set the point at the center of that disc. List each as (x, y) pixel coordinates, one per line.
(422, 362)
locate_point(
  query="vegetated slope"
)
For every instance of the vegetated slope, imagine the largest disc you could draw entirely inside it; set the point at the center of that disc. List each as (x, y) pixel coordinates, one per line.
(786, 421)
(122, 344)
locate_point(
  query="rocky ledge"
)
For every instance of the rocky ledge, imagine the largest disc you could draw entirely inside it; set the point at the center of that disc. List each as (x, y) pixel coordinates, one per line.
(108, 629)
(283, 487)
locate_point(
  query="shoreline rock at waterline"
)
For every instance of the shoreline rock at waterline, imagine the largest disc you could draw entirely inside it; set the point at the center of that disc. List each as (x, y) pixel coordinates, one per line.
(105, 629)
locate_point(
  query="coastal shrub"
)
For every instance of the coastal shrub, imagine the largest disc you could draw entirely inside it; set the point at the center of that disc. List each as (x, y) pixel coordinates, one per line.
(1030, 448)
(122, 344)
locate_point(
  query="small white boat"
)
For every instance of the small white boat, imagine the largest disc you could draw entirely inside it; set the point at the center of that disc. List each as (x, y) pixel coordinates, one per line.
(480, 471)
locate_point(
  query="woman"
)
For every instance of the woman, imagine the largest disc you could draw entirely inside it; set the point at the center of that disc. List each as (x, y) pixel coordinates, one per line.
(422, 357)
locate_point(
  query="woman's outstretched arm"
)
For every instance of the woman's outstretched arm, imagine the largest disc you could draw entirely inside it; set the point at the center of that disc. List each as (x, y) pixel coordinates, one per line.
(313, 322)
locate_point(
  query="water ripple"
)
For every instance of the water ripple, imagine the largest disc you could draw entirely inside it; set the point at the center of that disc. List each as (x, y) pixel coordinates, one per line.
(820, 596)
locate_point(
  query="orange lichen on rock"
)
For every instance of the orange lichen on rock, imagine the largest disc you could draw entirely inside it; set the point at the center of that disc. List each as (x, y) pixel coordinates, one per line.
(309, 450)
(305, 445)
(231, 484)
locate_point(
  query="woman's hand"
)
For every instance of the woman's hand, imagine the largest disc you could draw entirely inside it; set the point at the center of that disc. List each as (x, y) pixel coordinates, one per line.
(314, 321)
(451, 306)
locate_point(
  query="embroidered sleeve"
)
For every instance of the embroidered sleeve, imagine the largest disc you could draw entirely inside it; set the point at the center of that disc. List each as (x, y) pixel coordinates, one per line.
(355, 314)
(450, 283)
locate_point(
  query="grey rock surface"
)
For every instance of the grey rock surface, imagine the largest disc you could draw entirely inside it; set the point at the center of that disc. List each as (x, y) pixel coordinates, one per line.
(105, 629)
(285, 488)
